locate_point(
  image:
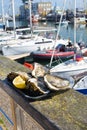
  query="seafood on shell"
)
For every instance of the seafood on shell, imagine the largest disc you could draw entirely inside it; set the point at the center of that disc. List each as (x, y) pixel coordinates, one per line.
(54, 82)
(12, 75)
(37, 85)
(39, 70)
(32, 85)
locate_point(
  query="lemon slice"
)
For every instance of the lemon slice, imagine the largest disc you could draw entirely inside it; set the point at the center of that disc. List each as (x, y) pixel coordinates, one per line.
(18, 82)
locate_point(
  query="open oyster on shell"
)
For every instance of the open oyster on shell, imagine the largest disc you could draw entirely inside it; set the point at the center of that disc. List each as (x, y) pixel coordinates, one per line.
(12, 75)
(32, 86)
(36, 85)
(39, 70)
(54, 82)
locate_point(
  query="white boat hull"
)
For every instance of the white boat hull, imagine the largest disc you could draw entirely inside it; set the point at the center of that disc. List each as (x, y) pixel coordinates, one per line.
(26, 47)
(71, 67)
(39, 43)
(81, 85)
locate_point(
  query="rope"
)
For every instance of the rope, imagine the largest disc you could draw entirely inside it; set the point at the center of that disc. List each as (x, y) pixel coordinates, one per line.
(58, 30)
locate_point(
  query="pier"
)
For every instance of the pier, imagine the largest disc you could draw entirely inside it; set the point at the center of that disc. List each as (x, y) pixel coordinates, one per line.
(15, 57)
(66, 110)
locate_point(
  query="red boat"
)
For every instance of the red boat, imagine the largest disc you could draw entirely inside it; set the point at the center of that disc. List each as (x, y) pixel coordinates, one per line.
(48, 54)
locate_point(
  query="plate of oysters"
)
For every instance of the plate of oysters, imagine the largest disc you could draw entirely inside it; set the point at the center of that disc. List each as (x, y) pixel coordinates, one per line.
(38, 84)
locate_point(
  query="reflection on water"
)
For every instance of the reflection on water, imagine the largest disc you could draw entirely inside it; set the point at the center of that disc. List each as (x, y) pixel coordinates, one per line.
(65, 31)
(68, 31)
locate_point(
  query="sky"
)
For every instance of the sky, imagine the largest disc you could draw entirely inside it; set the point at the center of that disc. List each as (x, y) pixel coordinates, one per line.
(59, 3)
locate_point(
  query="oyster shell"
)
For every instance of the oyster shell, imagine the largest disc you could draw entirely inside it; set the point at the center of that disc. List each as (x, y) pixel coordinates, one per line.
(12, 75)
(56, 83)
(39, 70)
(36, 85)
(24, 75)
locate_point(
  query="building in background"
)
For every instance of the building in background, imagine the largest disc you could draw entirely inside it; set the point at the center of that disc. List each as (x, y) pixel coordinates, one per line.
(41, 8)
(24, 11)
(44, 8)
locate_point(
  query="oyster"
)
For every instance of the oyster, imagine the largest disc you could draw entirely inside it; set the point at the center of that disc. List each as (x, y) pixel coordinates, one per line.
(12, 75)
(39, 70)
(56, 83)
(24, 75)
(35, 85)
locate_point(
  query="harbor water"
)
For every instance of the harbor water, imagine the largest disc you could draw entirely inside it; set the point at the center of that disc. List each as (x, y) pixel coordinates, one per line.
(65, 31)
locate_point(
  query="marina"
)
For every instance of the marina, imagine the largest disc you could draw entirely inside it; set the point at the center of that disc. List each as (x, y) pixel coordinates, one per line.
(65, 32)
(43, 67)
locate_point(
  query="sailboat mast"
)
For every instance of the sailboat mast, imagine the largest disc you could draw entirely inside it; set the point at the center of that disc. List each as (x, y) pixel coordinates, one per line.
(3, 17)
(75, 23)
(14, 24)
(75, 28)
(29, 3)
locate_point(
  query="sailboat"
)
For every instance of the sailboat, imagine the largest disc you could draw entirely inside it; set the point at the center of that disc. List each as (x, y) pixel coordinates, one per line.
(81, 85)
(33, 44)
(73, 66)
(7, 36)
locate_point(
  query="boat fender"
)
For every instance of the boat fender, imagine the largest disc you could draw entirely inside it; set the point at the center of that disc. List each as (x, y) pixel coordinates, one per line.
(28, 65)
(79, 58)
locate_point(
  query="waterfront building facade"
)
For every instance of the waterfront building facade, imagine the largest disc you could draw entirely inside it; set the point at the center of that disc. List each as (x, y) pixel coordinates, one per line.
(41, 8)
(44, 8)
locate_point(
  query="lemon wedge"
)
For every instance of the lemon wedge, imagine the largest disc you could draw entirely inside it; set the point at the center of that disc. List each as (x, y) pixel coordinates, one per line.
(18, 82)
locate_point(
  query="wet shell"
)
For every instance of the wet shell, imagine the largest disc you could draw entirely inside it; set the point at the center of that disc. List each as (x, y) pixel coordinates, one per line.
(24, 75)
(39, 70)
(56, 83)
(36, 85)
(12, 75)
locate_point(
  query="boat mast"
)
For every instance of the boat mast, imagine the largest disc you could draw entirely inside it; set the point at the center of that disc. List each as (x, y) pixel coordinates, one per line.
(75, 27)
(75, 23)
(30, 15)
(58, 30)
(14, 24)
(3, 17)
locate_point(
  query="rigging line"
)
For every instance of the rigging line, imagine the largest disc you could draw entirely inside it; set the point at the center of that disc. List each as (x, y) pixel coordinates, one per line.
(58, 30)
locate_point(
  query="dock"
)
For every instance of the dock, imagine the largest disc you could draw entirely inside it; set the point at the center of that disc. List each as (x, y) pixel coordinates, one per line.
(15, 57)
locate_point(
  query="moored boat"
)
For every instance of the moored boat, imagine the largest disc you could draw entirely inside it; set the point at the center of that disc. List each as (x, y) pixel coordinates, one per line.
(39, 42)
(62, 50)
(48, 54)
(71, 67)
(27, 46)
(81, 85)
